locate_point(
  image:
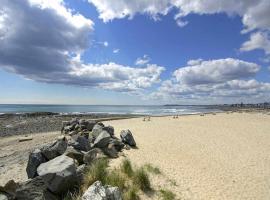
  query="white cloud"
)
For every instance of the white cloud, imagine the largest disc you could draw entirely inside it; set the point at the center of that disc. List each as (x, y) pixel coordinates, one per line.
(43, 41)
(142, 61)
(214, 81)
(116, 50)
(215, 71)
(117, 77)
(255, 14)
(258, 40)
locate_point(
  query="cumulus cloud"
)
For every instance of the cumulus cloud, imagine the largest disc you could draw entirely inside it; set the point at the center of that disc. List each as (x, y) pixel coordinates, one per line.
(221, 80)
(142, 61)
(44, 40)
(215, 71)
(255, 14)
(258, 40)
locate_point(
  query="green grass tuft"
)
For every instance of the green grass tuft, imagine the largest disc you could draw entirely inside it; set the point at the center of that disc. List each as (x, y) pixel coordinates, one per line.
(141, 179)
(131, 194)
(96, 171)
(151, 169)
(114, 178)
(166, 194)
(127, 168)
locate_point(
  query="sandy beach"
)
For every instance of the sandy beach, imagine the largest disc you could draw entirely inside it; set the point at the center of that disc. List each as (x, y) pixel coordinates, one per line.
(222, 156)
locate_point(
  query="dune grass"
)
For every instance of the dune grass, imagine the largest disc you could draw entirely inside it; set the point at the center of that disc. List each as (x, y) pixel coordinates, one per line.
(150, 168)
(141, 179)
(131, 193)
(126, 168)
(129, 179)
(166, 194)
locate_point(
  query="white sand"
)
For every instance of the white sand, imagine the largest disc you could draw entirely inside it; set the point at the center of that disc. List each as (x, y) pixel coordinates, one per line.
(223, 156)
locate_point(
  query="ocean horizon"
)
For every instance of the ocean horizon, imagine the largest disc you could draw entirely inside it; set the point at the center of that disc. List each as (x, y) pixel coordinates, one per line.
(106, 109)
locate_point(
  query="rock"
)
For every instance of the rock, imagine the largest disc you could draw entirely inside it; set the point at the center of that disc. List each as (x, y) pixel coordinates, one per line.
(64, 124)
(127, 137)
(59, 174)
(75, 154)
(102, 139)
(110, 151)
(55, 149)
(80, 143)
(109, 129)
(34, 160)
(118, 144)
(80, 173)
(97, 129)
(3, 197)
(34, 189)
(92, 155)
(90, 124)
(98, 192)
(9, 189)
(100, 124)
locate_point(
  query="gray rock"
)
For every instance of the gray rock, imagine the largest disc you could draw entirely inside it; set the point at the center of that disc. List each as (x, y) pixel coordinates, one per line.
(34, 189)
(118, 144)
(80, 143)
(90, 124)
(98, 192)
(34, 160)
(9, 189)
(102, 139)
(110, 151)
(97, 129)
(80, 173)
(109, 129)
(3, 197)
(55, 149)
(127, 137)
(74, 154)
(59, 174)
(92, 155)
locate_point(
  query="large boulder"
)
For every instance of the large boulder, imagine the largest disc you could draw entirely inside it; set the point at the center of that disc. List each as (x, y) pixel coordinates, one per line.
(56, 149)
(80, 143)
(59, 174)
(117, 143)
(97, 129)
(34, 160)
(74, 154)
(34, 189)
(99, 192)
(110, 151)
(92, 155)
(127, 138)
(90, 124)
(102, 139)
(109, 129)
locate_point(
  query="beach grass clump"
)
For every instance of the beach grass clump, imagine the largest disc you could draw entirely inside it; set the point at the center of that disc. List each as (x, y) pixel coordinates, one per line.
(116, 179)
(126, 168)
(141, 179)
(166, 194)
(150, 168)
(72, 196)
(131, 193)
(96, 171)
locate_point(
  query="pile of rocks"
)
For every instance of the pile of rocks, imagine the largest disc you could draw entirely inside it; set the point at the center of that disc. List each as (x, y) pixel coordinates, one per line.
(57, 168)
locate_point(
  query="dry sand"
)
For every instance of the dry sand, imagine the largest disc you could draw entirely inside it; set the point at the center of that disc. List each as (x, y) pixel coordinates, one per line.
(223, 156)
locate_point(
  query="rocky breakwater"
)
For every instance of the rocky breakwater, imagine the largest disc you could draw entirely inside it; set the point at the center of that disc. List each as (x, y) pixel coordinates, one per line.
(57, 168)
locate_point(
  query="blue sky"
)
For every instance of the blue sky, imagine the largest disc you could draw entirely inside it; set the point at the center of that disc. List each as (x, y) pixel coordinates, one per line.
(134, 52)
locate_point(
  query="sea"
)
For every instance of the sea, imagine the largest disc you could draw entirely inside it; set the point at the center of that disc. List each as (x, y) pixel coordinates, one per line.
(154, 110)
